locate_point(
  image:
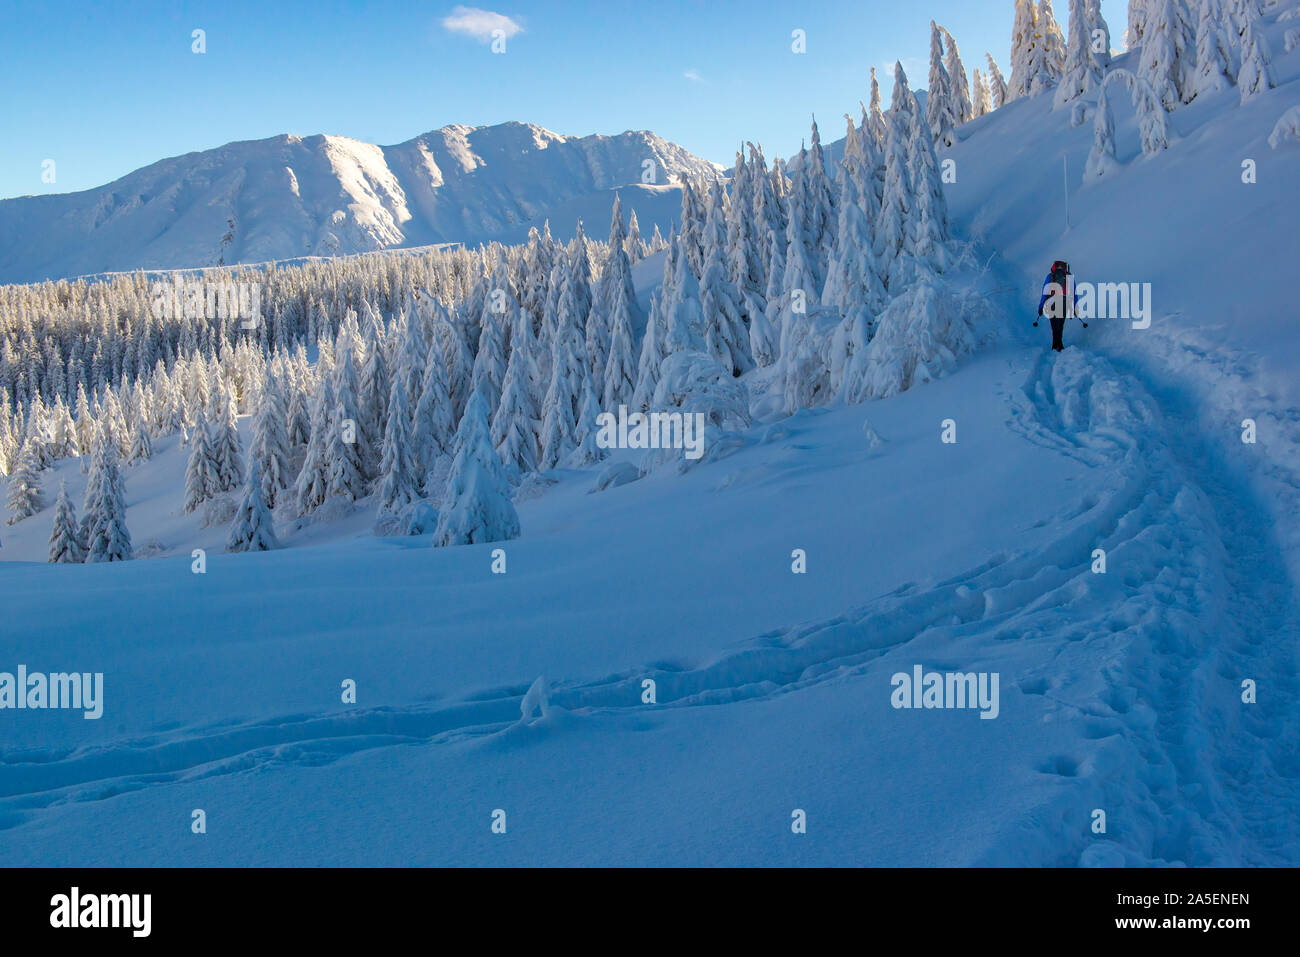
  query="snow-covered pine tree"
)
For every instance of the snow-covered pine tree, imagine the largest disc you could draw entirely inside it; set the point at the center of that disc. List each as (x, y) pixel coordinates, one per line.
(66, 545)
(270, 448)
(997, 84)
(621, 367)
(1024, 50)
(1084, 69)
(939, 97)
(1101, 160)
(253, 529)
(514, 425)
(963, 108)
(820, 209)
(586, 450)
(25, 498)
(1049, 51)
(1256, 73)
(853, 282)
(344, 476)
(310, 486)
(891, 227)
(1214, 49)
(432, 429)
(490, 360)
(980, 88)
(928, 225)
(107, 538)
(400, 482)
(875, 118)
(226, 451)
(201, 475)
(633, 244)
(373, 386)
(725, 333)
(1137, 18)
(476, 507)
(684, 316)
(560, 406)
(141, 447)
(1165, 53)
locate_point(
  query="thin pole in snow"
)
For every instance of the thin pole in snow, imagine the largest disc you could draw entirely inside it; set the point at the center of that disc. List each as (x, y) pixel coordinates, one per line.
(1065, 167)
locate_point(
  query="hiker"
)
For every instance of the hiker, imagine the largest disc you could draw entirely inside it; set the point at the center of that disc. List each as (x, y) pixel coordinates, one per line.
(1058, 283)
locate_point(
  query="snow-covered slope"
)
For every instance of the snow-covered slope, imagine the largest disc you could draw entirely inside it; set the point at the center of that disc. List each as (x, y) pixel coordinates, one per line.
(287, 197)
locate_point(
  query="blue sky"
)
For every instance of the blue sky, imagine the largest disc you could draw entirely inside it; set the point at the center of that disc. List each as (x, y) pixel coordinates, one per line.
(103, 89)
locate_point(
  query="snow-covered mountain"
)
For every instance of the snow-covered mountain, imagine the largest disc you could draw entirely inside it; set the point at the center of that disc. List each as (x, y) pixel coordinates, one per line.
(287, 196)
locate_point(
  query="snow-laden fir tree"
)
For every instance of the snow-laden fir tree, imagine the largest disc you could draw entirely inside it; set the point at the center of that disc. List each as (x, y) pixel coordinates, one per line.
(568, 369)
(310, 486)
(1101, 160)
(1214, 49)
(725, 332)
(344, 477)
(372, 396)
(1256, 73)
(1048, 58)
(939, 97)
(270, 448)
(202, 480)
(997, 84)
(432, 428)
(1024, 50)
(963, 107)
(399, 484)
(66, 545)
(853, 285)
(1137, 18)
(107, 538)
(587, 450)
(820, 209)
(1166, 53)
(685, 316)
(875, 117)
(253, 529)
(652, 347)
(1084, 68)
(25, 498)
(226, 451)
(515, 423)
(633, 244)
(490, 360)
(476, 507)
(621, 366)
(141, 447)
(891, 226)
(980, 88)
(928, 226)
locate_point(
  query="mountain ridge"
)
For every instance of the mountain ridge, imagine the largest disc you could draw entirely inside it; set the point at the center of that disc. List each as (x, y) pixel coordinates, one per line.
(288, 196)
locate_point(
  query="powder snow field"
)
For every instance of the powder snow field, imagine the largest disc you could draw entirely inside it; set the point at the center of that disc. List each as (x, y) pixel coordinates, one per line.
(1119, 691)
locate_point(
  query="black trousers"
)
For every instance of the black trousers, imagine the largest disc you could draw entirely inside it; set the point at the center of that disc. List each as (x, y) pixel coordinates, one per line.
(1058, 327)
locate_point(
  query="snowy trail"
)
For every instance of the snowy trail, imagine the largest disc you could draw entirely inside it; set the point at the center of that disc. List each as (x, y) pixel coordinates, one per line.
(1194, 600)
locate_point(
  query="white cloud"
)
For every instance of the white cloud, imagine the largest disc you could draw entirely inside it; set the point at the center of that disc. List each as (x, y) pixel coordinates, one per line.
(480, 24)
(693, 76)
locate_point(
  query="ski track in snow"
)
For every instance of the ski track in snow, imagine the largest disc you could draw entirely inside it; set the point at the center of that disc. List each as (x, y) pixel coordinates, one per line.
(1195, 599)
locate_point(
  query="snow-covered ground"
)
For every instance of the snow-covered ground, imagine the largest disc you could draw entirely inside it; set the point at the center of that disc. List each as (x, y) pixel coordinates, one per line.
(1120, 691)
